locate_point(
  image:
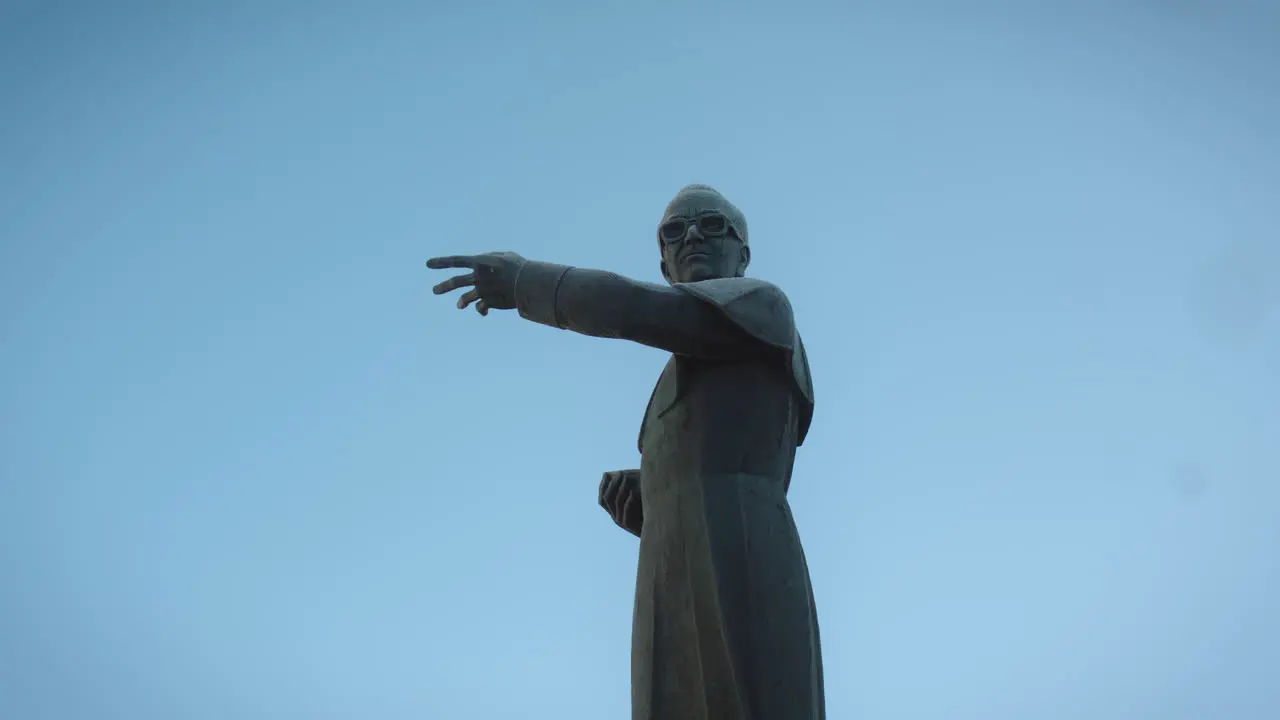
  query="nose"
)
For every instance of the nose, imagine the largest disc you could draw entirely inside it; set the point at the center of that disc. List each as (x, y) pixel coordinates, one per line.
(693, 233)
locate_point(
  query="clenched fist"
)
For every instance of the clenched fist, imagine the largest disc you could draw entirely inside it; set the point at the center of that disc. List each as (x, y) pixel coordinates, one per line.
(620, 497)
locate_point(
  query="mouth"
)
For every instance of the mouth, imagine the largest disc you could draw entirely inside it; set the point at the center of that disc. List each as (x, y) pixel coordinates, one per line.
(696, 256)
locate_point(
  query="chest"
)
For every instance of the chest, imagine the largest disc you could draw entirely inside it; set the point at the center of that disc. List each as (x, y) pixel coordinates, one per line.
(700, 405)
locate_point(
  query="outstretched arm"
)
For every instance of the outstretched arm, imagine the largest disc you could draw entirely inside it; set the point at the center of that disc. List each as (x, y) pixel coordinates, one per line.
(603, 304)
(691, 319)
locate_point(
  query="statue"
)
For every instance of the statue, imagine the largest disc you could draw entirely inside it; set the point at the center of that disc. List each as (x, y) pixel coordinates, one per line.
(725, 626)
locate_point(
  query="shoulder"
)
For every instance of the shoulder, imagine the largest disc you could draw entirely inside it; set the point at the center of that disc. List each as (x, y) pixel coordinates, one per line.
(757, 306)
(730, 289)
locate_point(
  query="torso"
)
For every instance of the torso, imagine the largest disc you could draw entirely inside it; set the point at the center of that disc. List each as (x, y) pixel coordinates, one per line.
(714, 418)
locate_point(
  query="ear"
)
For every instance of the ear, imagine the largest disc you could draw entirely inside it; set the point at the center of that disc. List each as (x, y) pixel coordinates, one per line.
(666, 274)
(744, 259)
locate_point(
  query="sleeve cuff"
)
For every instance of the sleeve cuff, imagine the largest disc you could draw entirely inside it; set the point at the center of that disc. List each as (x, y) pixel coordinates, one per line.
(536, 287)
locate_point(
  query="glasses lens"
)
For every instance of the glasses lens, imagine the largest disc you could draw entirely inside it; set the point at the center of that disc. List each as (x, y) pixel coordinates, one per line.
(711, 225)
(673, 231)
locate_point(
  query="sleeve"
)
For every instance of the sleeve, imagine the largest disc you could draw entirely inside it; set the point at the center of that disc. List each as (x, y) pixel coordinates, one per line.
(606, 305)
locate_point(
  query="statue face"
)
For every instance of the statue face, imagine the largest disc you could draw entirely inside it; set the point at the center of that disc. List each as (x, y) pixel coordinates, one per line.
(702, 238)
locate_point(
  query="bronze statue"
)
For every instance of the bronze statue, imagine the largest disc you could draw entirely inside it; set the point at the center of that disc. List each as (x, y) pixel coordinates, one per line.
(725, 626)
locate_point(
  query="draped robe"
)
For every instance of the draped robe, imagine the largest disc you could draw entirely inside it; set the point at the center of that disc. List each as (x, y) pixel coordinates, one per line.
(725, 625)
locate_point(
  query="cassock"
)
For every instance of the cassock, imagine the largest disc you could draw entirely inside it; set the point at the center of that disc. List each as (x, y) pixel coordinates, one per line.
(725, 625)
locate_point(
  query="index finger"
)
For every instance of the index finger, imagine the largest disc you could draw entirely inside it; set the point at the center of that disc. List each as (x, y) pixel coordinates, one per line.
(452, 261)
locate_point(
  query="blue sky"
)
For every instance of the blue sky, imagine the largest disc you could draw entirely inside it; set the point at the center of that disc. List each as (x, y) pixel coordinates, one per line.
(251, 468)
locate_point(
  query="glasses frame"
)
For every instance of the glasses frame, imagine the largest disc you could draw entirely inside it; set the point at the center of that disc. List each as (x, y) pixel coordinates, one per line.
(697, 220)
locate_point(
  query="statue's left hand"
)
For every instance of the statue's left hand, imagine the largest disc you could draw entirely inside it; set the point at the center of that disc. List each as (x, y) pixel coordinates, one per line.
(492, 279)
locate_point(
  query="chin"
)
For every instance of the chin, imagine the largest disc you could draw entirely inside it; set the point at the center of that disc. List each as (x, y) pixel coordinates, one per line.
(700, 271)
(699, 274)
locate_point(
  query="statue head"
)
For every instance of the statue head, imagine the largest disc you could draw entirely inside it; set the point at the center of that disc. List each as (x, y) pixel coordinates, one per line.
(702, 236)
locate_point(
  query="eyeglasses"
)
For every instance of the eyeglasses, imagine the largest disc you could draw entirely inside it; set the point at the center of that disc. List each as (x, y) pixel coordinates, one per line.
(709, 225)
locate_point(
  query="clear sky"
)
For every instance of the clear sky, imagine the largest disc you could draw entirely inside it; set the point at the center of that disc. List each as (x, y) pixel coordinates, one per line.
(251, 468)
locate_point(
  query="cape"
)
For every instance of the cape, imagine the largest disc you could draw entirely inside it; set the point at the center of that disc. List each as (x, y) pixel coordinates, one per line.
(761, 310)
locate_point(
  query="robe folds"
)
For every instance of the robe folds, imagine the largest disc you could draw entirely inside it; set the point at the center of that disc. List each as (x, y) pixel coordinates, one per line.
(725, 626)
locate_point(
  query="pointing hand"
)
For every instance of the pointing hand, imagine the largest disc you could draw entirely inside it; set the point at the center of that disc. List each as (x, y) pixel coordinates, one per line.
(492, 279)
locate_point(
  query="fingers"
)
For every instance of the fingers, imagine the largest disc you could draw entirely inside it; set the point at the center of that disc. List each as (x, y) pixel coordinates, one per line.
(631, 518)
(452, 261)
(606, 482)
(467, 298)
(620, 497)
(610, 488)
(620, 506)
(471, 296)
(454, 283)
